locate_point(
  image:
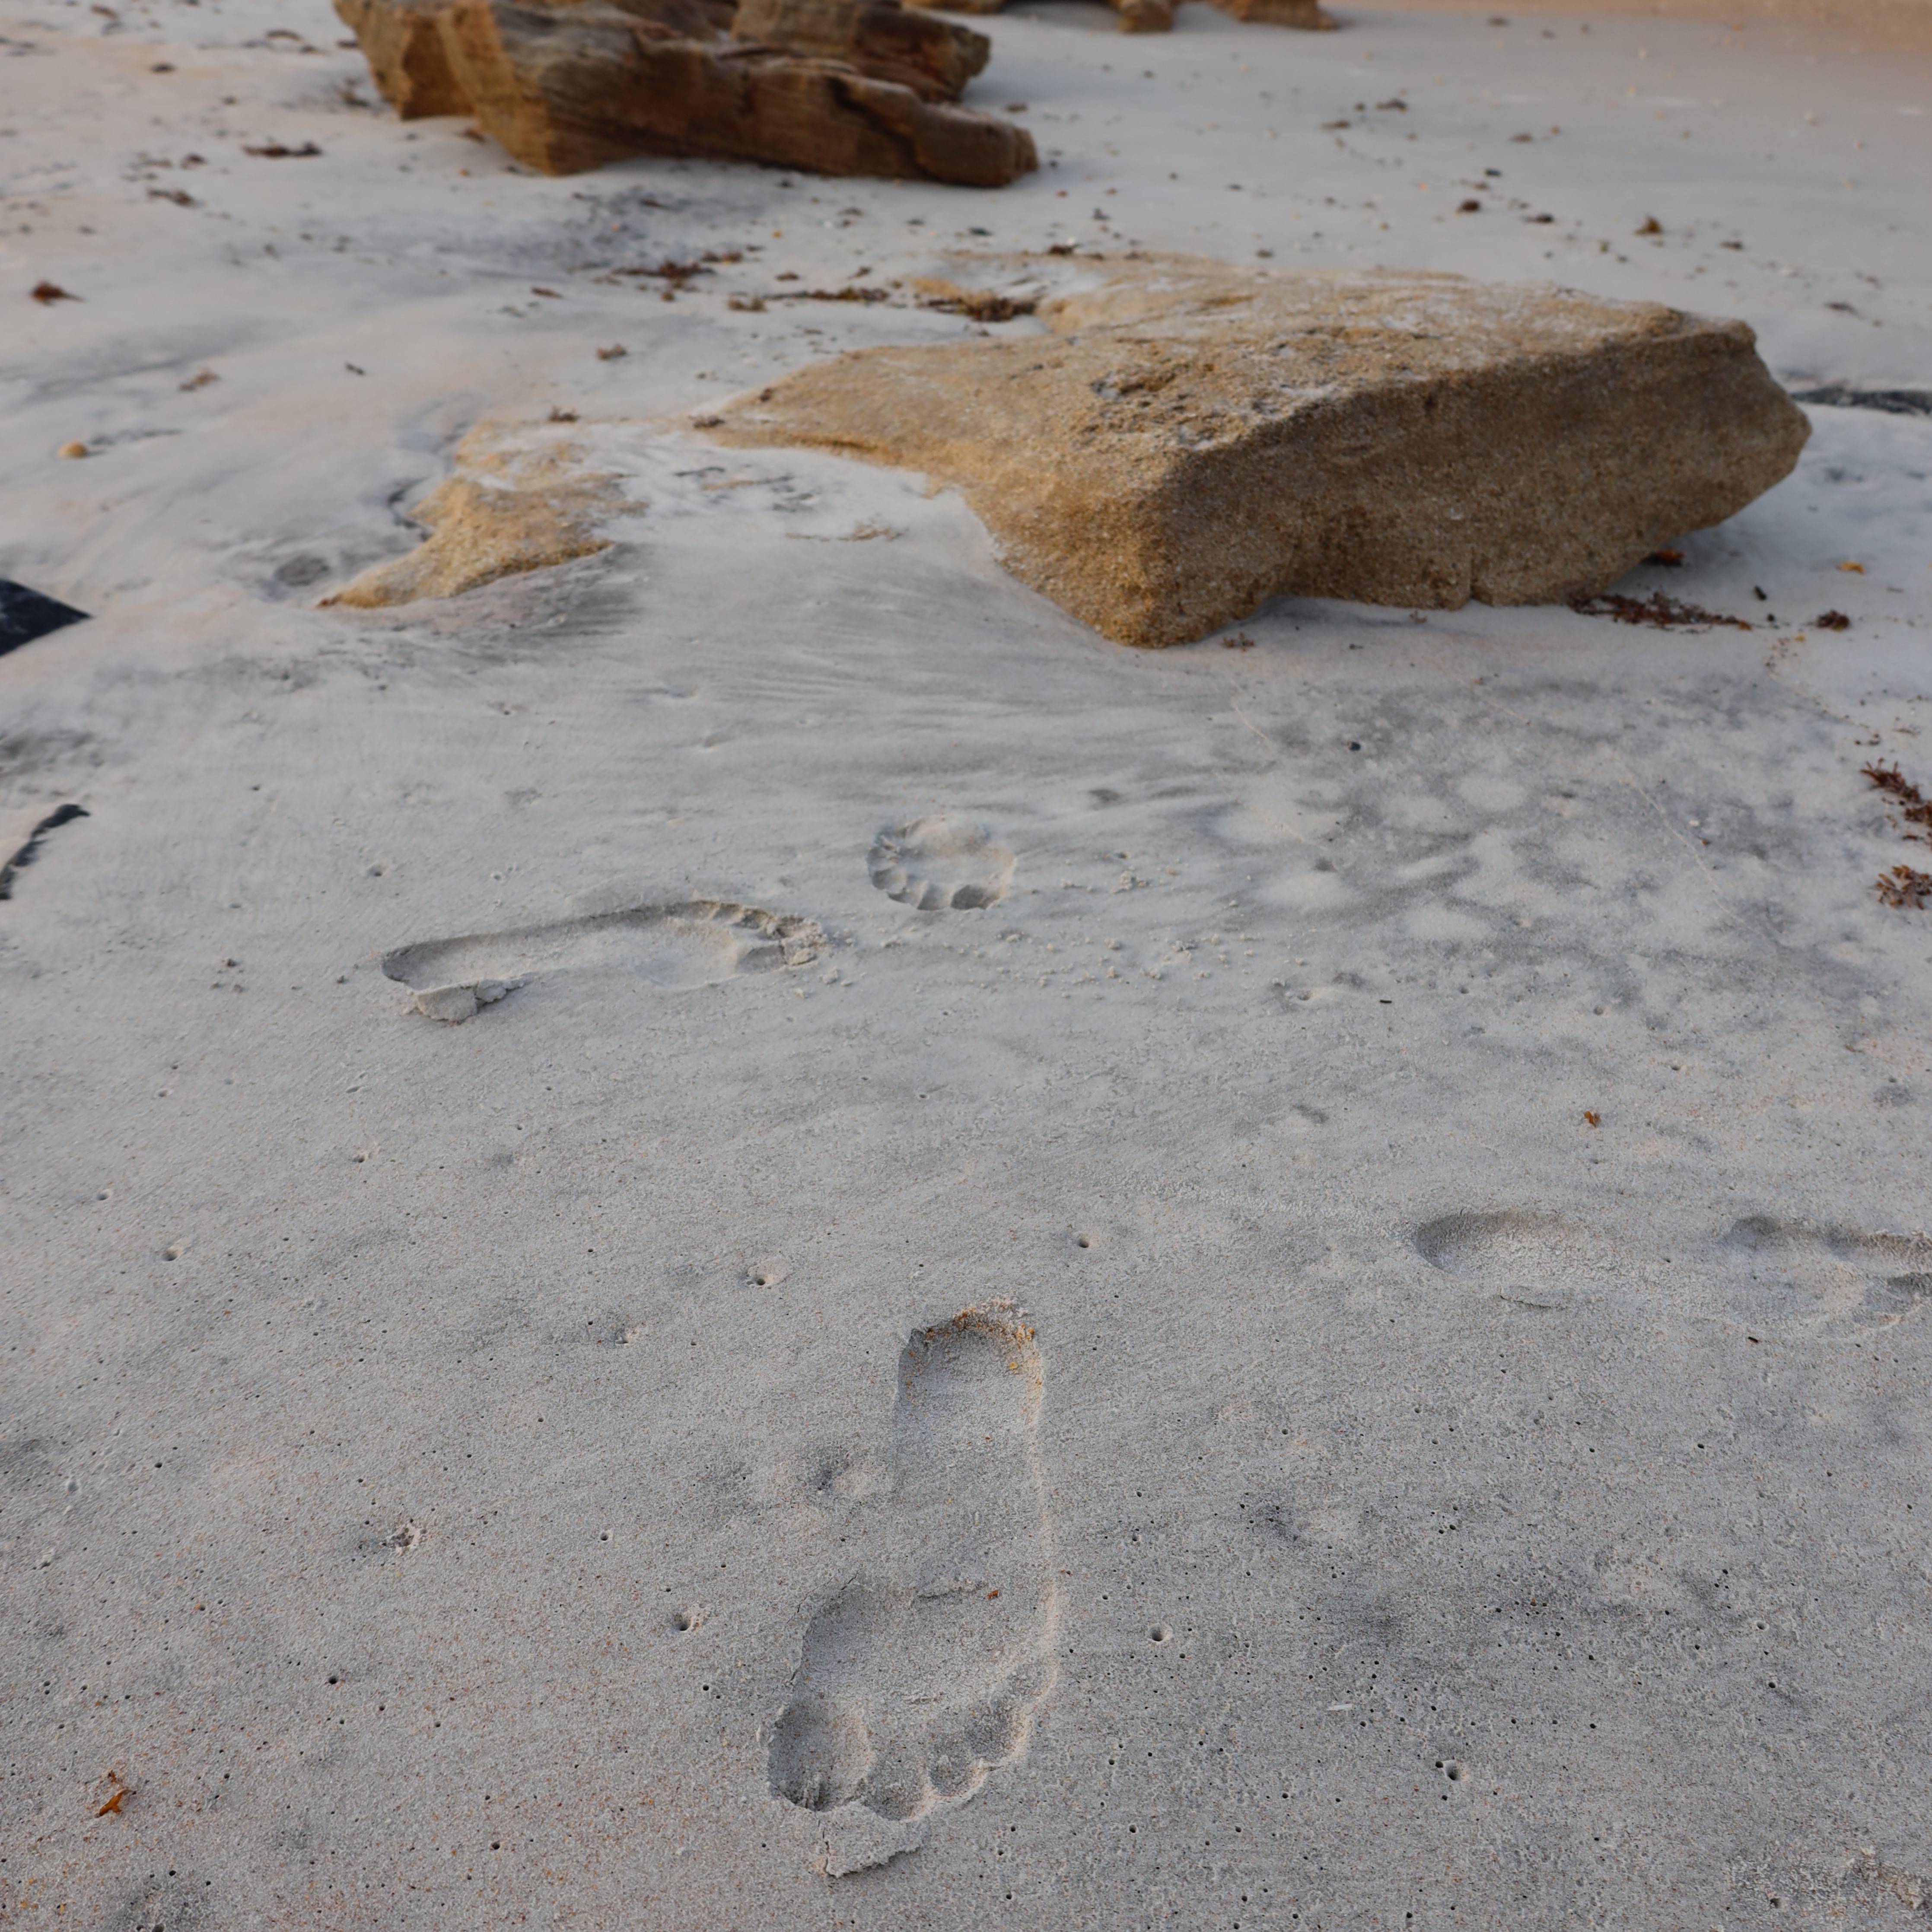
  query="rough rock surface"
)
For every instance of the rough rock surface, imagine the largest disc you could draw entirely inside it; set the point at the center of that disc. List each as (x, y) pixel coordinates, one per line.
(511, 506)
(1190, 439)
(1304, 14)
(568, 88)
(402, 40)
(879, 37)
(1157, 16)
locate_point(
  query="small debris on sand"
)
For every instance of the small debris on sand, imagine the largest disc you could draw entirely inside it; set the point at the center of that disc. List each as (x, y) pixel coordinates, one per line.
(1890, 779)
(979, 305)
(48, 293)
(1661, 613)
(1906, 887)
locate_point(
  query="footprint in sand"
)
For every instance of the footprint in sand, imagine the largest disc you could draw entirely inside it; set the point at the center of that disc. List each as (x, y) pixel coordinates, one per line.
(697, 942)
(940, 863)
(918, 1676)
(1536, 1260)
(1867, 1276)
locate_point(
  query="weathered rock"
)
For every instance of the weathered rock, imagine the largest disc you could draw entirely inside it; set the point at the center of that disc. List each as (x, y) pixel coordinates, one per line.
(879, 37)
(515, 503)
(402, 41)
(565, 88)
(1190, 439)
(1304, 14)
(572, 86)
(1157, 16)
(405, 43)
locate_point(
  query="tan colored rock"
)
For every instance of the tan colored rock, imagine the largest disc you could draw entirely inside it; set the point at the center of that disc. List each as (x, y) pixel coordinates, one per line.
(1190, 440)
(879, 37)
(402, 41)
(1157, 16)
(1304, 14)
(514, 504)
(569, 87)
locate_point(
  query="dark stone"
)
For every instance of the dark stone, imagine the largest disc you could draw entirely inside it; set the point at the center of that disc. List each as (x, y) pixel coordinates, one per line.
(26, 614)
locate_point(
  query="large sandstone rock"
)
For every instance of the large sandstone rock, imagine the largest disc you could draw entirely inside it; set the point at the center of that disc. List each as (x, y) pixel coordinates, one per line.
(881, 38)
(1187, 440)
(567, 87)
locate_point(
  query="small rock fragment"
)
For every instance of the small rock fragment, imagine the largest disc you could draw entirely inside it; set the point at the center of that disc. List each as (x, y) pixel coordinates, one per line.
(515, 504)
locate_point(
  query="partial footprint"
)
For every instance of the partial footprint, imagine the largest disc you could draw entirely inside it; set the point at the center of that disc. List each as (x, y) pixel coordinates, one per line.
(918, 1674)
(939, 862)
(1851, 1273)
(1536, 1260)
(696, 943)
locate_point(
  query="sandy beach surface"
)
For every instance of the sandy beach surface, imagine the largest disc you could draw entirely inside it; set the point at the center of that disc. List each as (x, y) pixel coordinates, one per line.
(1429, 1109)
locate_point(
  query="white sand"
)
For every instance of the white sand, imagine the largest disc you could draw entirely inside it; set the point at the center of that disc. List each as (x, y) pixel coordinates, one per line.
(1536, 1511)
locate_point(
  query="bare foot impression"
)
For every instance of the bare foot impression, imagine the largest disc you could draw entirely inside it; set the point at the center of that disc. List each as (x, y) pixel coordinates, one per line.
(939, 863)
(697, 942)
(918, 1674)
(1536, 1260)
(1861, 1276)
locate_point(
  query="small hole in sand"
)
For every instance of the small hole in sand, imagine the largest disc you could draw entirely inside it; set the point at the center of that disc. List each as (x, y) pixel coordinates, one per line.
(1161, 1633)
(684, 1620)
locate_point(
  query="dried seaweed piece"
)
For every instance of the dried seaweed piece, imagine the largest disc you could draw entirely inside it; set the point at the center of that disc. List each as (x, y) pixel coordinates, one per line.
(676, 273)
(834, 295)
(1916, 808)
(1832, 620)
(977, 304)
(1903, 886)
(274, 150)
(1889, 777)
(1663, 612)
